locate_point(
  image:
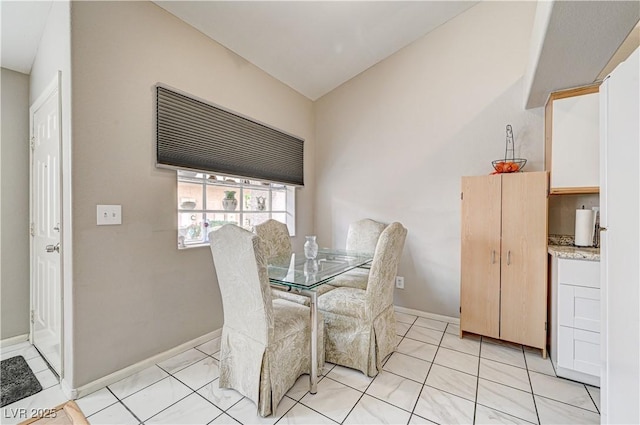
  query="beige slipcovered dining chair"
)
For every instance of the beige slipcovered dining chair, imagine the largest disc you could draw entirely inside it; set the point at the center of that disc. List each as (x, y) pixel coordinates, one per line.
(362, 237)
(360, 325)
(277, 242)
(266, 344)
(275, 236)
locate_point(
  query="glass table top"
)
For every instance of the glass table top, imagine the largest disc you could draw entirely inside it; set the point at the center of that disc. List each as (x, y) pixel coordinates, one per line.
(296, 271)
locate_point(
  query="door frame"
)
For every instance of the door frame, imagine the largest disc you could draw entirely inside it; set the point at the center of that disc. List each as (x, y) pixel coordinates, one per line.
(54, 85)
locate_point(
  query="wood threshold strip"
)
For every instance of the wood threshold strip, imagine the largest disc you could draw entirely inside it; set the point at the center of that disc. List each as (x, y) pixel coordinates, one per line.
(65, 414)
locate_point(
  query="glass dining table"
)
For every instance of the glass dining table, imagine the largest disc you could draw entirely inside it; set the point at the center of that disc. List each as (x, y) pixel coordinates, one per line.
(303, 276)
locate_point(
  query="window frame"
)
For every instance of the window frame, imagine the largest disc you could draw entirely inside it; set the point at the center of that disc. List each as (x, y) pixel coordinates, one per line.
(239, 185)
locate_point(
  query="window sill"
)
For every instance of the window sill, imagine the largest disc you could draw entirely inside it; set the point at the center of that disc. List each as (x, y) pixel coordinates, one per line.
(190, 246)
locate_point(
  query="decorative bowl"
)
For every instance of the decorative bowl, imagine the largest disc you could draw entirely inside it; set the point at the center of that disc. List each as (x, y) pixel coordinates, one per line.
(508, 166)
(188, 205)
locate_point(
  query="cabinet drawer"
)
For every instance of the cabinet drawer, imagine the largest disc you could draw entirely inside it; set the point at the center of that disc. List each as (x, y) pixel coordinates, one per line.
(579, 307)
(579, 272)
(579, 350)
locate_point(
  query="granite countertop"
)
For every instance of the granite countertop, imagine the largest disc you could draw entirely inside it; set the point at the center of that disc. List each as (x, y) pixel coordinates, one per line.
(564, 251)
(562, 246)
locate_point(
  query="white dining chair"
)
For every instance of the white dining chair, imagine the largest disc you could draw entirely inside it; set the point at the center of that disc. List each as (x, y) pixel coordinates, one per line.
(362, 237)
(360, 325)
(266, 343)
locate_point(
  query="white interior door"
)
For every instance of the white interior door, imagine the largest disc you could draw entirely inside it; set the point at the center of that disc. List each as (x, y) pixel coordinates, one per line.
(46, 294)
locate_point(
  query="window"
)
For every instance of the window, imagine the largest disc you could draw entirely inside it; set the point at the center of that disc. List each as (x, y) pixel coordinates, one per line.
(202, 206)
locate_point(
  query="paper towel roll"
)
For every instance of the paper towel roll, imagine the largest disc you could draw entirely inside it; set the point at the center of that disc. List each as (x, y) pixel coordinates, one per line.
(585, 226)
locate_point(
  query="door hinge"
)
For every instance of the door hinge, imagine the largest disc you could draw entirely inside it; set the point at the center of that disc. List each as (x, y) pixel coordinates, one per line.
(33, 316)
(32, 229)
(545, 326)
(32, 142)
(460, 309)
(462, 196)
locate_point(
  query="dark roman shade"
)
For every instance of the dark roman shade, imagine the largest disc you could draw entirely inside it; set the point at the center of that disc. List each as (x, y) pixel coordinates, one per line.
(195, 135)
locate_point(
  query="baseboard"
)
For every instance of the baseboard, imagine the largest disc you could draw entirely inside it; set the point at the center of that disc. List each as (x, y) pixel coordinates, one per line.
(583, 378)
(72, 394)
(75, 393)
(433, 316)
(14, 340)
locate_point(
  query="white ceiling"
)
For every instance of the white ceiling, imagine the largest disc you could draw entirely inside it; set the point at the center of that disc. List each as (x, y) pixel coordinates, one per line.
(22, 27)
(314, 46)
(580, 39)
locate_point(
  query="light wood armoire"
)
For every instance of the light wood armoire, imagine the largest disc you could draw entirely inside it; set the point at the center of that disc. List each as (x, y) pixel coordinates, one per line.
(503, 284)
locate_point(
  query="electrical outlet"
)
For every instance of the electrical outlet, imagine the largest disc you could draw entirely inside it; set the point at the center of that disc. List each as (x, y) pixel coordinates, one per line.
(399, 282)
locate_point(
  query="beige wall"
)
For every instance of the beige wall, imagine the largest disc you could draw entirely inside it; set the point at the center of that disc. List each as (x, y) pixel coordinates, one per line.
(394, 141)
(135, 294)
(14, 205)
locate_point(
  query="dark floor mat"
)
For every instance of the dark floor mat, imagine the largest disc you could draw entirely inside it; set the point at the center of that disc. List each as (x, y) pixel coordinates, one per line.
(17, 380)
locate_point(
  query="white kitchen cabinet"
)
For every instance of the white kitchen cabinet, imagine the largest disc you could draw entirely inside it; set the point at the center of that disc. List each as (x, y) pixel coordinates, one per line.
(579, 272)
(575, 319)
(578, 351)
(572, 140)
(579, 307)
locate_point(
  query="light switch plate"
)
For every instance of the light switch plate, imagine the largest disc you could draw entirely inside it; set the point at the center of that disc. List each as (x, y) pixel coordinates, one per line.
(108, 215)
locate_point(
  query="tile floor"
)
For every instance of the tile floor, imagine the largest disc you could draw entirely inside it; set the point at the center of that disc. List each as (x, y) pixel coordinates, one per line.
(433, 377)
(50, 396)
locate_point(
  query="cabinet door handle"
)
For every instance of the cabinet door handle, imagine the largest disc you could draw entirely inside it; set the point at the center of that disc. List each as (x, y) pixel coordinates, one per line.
(493, 256)
(508, 258)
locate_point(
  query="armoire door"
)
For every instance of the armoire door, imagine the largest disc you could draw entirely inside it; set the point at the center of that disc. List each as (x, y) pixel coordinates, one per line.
(480, 268)
(524, 259)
